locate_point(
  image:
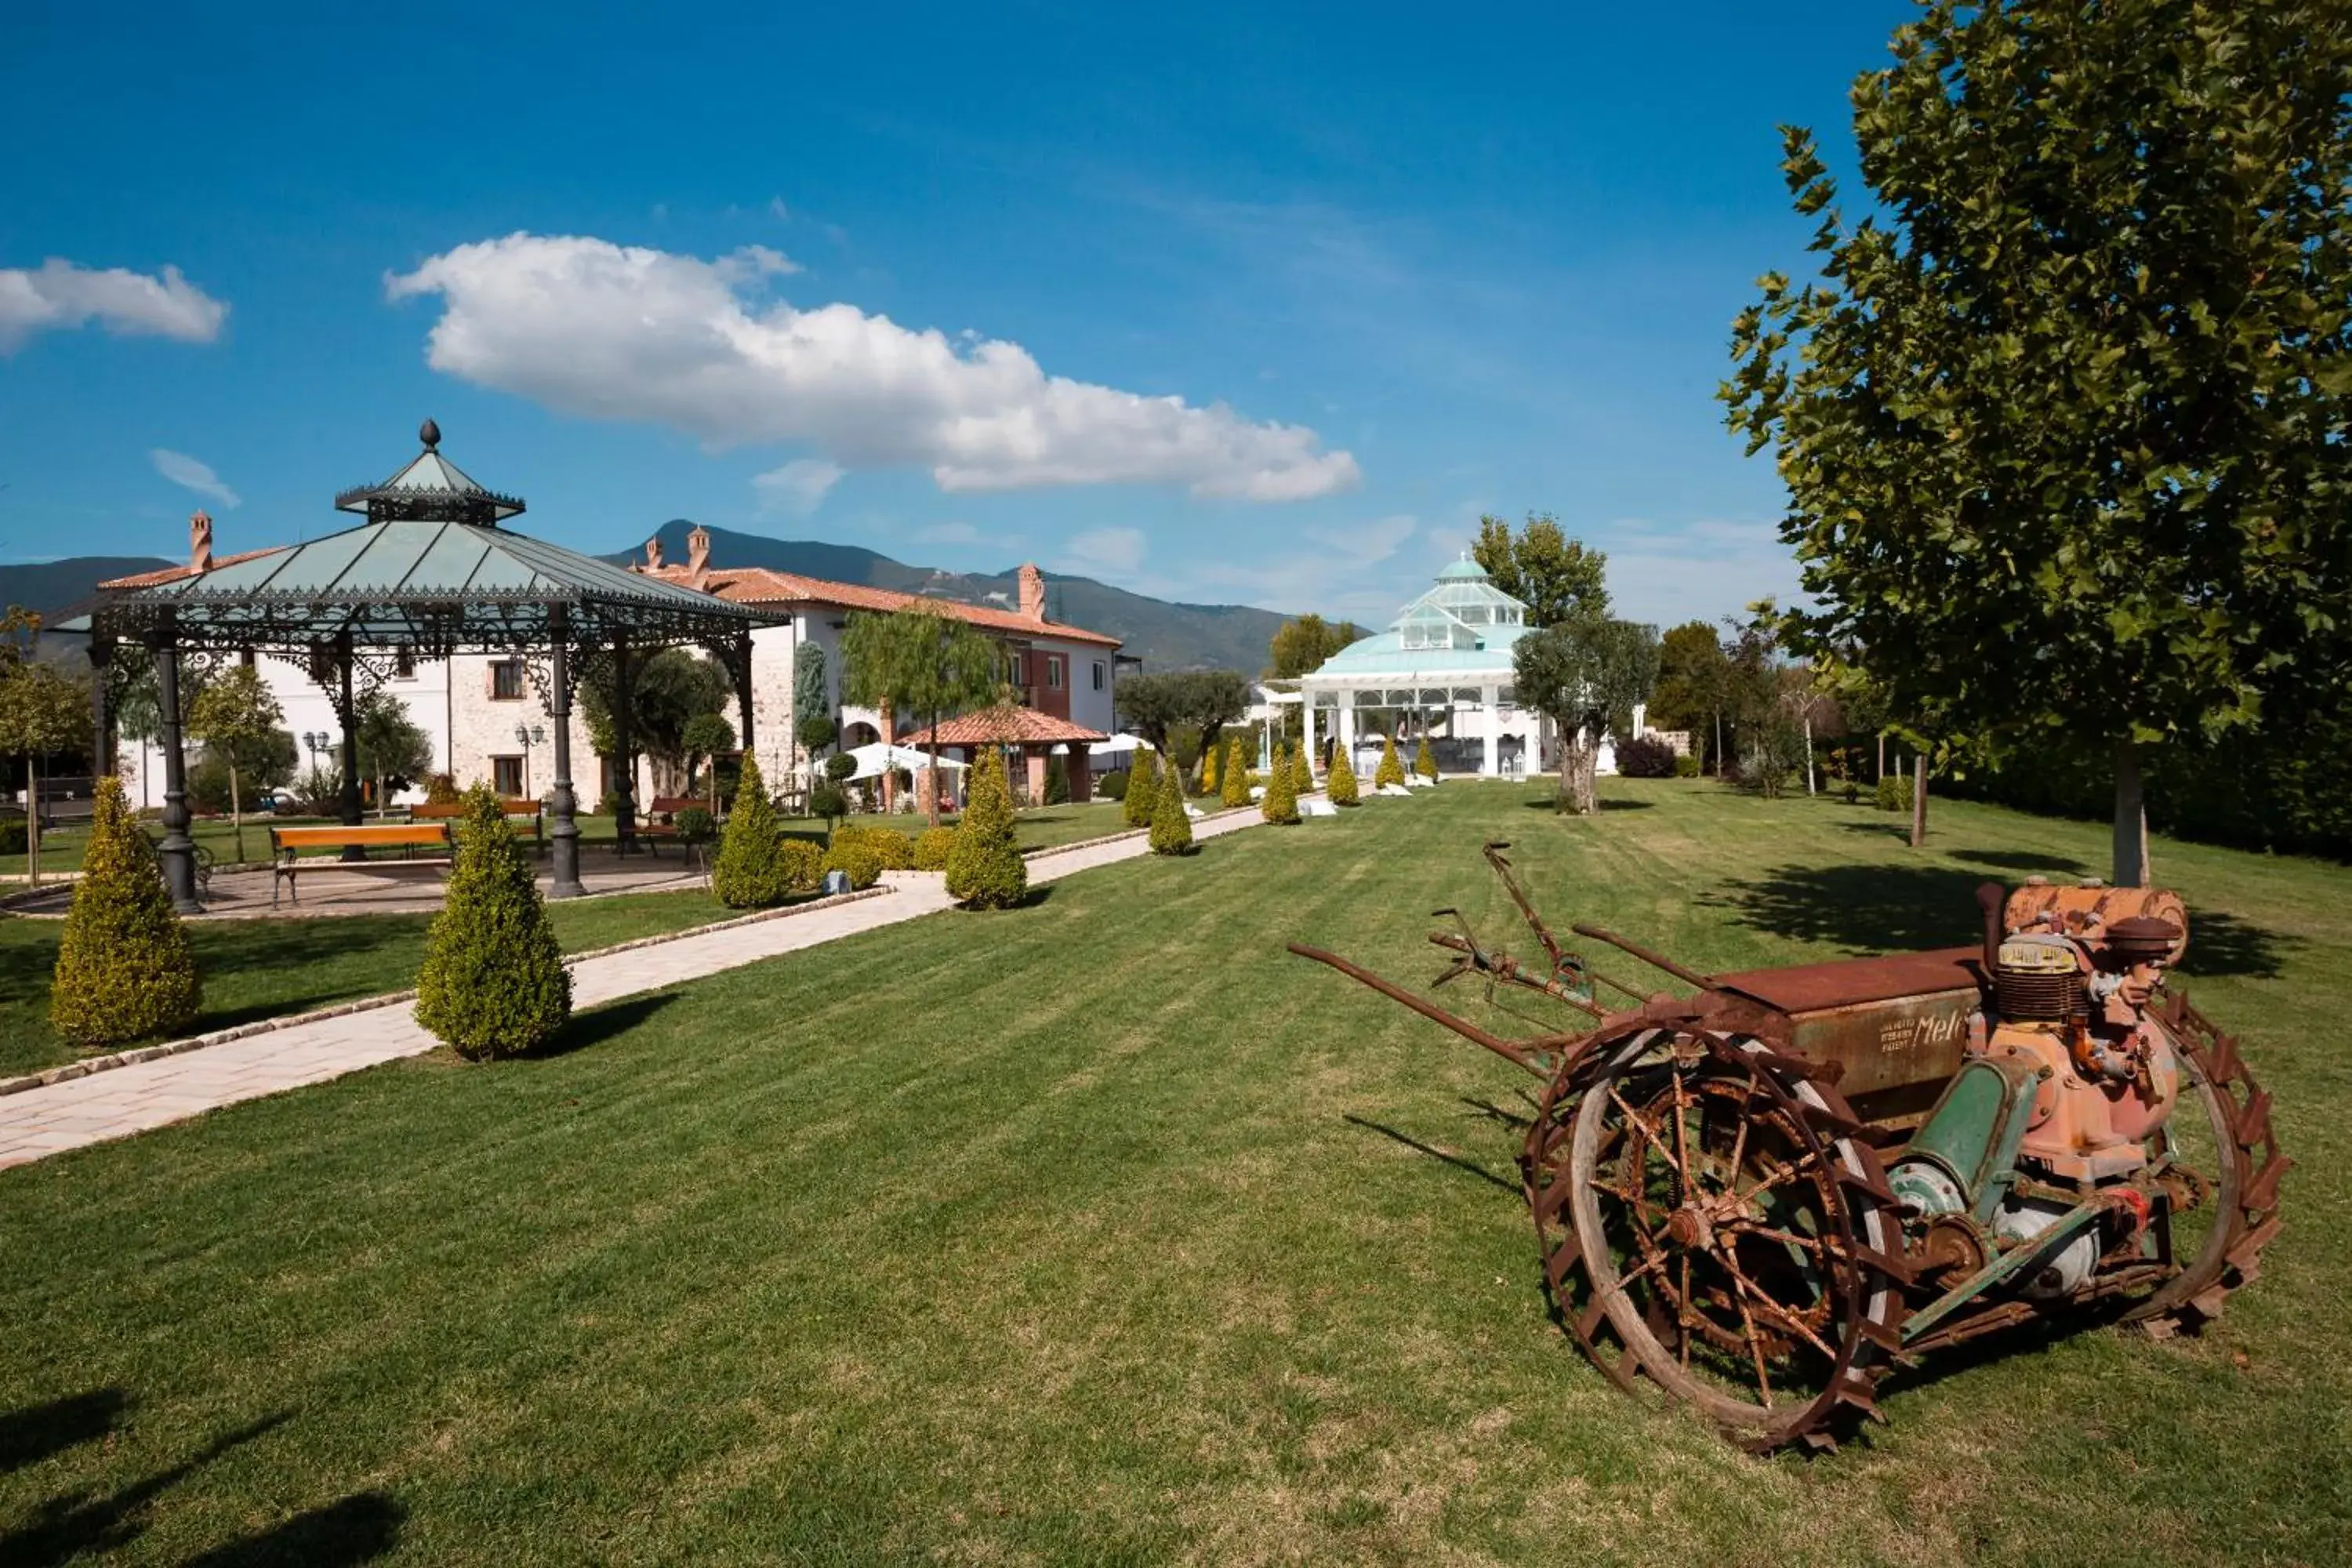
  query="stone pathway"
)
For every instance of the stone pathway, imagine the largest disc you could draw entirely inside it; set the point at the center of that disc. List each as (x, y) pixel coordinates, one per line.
(42, 1121)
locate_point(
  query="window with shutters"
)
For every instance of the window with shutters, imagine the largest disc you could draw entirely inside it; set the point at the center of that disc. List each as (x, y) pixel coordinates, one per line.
(506, 776)
(506, 681)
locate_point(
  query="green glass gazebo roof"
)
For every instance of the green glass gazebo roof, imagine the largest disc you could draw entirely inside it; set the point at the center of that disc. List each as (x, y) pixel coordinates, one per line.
(431, 570)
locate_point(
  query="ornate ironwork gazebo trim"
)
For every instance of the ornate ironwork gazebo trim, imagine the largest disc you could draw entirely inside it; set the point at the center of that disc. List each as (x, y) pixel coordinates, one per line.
(431, 573)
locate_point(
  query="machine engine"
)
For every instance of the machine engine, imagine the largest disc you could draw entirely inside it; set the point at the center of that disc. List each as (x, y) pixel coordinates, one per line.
(2068, 1079)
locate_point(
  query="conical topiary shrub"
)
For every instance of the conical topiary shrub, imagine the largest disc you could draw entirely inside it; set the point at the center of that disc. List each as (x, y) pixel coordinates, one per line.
(986, 870)
(1209, 761)
(1171, 825)
(1340, 783)
(750, 873)
(494, 982)
(1142, 790)
(1424, 762)
(1392, 768)
(1234, 788)
(1280, 802)
(125, 971)
(1302, 772)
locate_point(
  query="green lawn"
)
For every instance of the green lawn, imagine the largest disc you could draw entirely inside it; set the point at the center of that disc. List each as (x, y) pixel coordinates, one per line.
(1104, 1231)
(255, 968)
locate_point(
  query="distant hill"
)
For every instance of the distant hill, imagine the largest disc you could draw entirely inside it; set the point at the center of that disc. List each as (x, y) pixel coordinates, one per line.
(54, 586)
(1164, 635)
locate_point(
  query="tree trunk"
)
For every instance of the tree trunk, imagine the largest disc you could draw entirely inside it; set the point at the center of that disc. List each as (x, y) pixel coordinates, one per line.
(889, 774)
(1918, 801)
(1881, 775)
(1809, 753)
(2130, 867)
(236, 814)
(32, 821)
(932, 784)
(1567, 800)
(1718, 743)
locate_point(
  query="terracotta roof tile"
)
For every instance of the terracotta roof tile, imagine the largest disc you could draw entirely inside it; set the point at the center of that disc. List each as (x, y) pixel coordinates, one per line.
(761, 585)
(173, 574)
(1020, 726)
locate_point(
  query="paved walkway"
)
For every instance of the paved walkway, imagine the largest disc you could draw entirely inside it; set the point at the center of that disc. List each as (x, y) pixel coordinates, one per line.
(116, 1104)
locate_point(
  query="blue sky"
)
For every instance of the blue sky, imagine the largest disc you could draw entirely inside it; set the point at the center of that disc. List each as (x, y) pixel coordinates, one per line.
(1260, 305)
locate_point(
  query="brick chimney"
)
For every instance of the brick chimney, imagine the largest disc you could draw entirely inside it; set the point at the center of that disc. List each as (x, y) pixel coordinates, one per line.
(1033, 593)
(200, 543)
(653, 553)
(698, 556)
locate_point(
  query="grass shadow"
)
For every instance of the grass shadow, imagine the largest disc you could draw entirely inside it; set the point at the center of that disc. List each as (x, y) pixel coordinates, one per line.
(357, 1529)
(2032, 862)
(317, 949)
(33, 1434)
(2222, 944)
(64, 1528)
(598, 1025)
(1881, 909)
(1417, 1146)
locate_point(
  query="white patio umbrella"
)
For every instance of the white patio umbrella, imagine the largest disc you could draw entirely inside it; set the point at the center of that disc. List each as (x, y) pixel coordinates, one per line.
(879, 758)
(1117, 746)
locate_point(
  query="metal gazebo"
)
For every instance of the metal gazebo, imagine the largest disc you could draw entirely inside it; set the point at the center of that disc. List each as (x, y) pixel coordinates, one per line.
(433, 573)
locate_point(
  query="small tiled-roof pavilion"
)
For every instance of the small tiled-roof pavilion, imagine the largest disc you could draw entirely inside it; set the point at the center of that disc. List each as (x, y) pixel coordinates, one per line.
(1034, 734)
(432, 572)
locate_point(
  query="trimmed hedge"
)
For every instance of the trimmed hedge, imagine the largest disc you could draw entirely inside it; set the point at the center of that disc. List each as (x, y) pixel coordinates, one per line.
(893, 850)
(1112, 786)
(1142, 790)
(1646, 757)
(1302, 772)
(1280, 802)
(1687, 766)
(1234, 786)
(124, 969)
(750, 872)
(931, 848)
(1172, 827)
(1340, 783)
(856, 858)
(986, 870)
(1425, 763)
(802, 864)
(493, 984)
(1392, 768)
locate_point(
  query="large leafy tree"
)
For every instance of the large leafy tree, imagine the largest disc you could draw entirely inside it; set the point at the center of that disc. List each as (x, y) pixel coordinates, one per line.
(922, 663)
(394, 751)
(43, 712)
(1205, 699)
(1694, 683)
(238, 718)
(1302, 645)
(813, 725)
(668, 691)
(1585, 674)
(2062, 422)
(1555, 577)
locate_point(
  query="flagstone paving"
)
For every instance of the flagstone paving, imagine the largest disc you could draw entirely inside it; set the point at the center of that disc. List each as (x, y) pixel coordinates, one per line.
(117, 1103)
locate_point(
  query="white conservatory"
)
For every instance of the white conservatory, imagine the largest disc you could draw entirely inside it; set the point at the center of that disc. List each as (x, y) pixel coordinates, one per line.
(1443, 670)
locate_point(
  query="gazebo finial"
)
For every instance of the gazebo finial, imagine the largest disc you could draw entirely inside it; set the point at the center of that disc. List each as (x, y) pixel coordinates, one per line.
(430, 434)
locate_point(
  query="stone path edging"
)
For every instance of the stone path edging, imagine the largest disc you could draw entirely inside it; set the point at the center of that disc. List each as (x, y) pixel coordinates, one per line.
(69, 1071)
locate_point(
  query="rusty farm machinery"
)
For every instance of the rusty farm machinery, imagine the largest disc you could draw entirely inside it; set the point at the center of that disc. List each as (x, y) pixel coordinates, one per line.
(1763, 1195)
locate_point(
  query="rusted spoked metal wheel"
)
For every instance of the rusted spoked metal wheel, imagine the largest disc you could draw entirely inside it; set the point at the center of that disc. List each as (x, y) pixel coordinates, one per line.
(1707, 1209)
(2225, 1147)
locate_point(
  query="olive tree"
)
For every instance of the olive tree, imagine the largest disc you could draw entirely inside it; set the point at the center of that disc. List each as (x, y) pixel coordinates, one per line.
(1585, 674)
(238, 718)
(922, 662)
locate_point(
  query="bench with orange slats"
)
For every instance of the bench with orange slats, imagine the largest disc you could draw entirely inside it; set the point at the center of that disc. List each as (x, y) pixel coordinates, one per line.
(287, 844)
(451, 810)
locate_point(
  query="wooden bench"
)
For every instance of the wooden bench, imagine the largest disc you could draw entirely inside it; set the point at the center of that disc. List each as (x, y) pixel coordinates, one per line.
(660, 818)
(285, 845)
(449, 811)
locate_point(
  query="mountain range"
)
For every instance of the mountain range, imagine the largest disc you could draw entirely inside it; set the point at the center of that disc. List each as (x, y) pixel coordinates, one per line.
(1164, 635)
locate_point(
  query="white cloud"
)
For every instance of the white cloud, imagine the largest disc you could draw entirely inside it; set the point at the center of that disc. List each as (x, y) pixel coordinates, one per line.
(1668, 573)
(1340, 576)
(190, 474)
(777, 209)
(590, 328)
(1104, 551)
(798, 487)
(62, 295)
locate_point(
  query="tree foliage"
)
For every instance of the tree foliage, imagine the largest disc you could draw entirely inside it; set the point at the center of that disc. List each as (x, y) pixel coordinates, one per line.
(1340, 783)
(43, 712)
(922, 664)
(1585, 674)
(667, 690)
(1554, 575)
(394, 751)
(2062, 422)
(493, 984)
(1207, 700)
(986, 870)
(1142, 797)
(1233, 783)
(1171, 824)
(813, 725)
(1390, 770)
(1280, 803)
(124, 968)
(237, 717)
(1302, 645)
(707, 737)
(1694, 682)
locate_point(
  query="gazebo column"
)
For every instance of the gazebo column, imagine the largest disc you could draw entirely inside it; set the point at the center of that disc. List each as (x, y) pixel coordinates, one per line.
(101, 715)
(179, 851)
(1037, 756)
(1082, 775)
(744, 689)
(564, 832)
(347, 715)
(1307, 728)
(624, 809)
(1489, 702)
(1348, 725)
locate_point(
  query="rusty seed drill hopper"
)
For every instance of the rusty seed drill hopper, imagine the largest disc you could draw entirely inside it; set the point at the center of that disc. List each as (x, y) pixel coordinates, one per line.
(1762, 1196)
